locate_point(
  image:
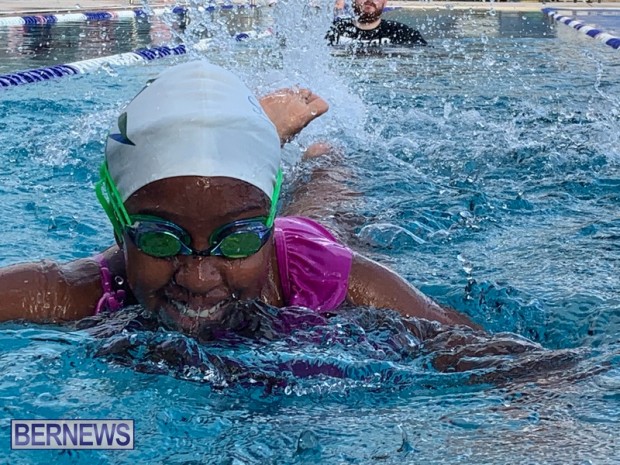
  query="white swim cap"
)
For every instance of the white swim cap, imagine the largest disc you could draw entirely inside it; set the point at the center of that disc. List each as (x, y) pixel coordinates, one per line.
(195, 119)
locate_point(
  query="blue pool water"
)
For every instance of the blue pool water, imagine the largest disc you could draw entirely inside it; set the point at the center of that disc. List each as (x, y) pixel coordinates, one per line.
(489, 168)
(36, 45)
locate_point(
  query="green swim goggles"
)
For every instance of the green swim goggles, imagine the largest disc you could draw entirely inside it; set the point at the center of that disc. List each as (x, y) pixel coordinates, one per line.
(163, 239)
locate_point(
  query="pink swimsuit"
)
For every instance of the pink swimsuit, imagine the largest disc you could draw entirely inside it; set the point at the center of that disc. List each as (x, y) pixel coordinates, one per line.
(314, 267)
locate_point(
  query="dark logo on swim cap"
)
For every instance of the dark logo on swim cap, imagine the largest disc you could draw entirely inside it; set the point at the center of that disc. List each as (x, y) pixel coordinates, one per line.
(122, 126)
(122, 121)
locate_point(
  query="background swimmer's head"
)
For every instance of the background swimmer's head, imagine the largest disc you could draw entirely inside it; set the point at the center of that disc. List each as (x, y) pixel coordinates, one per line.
(194, 119)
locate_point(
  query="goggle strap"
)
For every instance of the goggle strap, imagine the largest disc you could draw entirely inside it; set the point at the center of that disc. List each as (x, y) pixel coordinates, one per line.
(111, 202)
(115, 198)
(109, 210)
(119, 217)
(275, 197)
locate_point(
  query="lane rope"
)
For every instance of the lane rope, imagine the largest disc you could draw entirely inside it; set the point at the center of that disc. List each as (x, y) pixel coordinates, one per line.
(582, 27)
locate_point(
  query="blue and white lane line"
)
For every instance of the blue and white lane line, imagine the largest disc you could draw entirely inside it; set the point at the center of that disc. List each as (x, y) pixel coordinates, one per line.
(143, 55)
(591, 31)
(109, 15)
(87, 16)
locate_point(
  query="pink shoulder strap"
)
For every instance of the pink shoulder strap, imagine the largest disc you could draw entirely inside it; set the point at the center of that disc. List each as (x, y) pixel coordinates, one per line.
(111, 299)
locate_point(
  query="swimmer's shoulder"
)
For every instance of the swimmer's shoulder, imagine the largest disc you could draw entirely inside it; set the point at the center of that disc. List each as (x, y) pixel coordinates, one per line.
(82, 281)
(79, 283)
(49, 292)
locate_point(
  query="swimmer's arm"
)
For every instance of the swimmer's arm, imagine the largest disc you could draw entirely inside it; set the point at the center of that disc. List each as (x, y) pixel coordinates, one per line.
(46, 291)
(371, 284)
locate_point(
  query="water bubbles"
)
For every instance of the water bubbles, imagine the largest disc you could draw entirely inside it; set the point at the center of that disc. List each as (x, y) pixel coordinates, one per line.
(46, 398)
(447, 110)
(405, 446)
(109, 70)
(466, 265)
(307, 441)
(387, 235)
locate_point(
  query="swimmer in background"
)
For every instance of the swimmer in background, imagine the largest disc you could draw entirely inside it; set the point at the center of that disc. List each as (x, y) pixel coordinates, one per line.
(190, 182)
(367, 28)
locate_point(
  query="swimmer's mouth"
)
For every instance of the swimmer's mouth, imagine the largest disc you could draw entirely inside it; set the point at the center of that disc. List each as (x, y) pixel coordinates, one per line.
(207, 313)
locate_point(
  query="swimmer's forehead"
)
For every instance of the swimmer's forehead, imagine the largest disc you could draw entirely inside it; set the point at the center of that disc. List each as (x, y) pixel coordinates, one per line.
(186, 197)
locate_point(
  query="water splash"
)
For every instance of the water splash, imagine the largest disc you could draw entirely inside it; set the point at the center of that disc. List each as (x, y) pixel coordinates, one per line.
(296, 351)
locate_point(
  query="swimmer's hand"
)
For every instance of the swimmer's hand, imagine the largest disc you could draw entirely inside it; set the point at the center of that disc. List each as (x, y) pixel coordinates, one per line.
(292, 109)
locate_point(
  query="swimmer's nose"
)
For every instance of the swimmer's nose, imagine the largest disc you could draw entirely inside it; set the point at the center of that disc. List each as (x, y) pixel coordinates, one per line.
(198, 274)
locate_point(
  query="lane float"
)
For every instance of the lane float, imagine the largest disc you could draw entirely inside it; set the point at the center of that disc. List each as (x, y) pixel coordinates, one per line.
(582, 27)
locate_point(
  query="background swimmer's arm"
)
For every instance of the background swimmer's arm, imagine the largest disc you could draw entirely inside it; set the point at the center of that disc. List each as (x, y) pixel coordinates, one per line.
(49, 292)
(371, 284)
(291, 110)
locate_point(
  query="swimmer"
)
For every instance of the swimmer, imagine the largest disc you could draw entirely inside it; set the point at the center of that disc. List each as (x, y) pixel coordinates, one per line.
(367, 28)
(190, 182)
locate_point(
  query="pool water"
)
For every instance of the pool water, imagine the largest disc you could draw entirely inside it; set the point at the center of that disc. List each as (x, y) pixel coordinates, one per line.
(489, 165)
(37, 45)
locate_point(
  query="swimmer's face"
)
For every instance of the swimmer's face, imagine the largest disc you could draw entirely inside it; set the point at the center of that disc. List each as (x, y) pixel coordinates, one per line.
(368, 10)
(188, 291)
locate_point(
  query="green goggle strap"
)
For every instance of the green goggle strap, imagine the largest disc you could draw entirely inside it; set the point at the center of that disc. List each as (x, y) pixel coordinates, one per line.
(274, 199)
(117, 213)
(112, 202)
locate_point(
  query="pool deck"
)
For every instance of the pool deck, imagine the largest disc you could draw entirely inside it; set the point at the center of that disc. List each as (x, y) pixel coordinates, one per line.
(25, 7)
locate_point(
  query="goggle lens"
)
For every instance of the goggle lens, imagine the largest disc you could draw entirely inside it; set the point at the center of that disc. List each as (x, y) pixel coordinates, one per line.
(159, 243)
(240, 244)
(162, 239)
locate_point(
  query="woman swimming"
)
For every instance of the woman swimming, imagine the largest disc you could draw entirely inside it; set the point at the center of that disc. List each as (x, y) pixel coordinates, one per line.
(190, 182)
